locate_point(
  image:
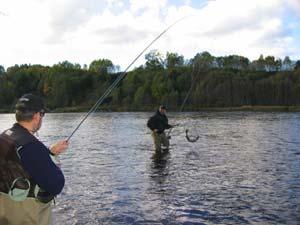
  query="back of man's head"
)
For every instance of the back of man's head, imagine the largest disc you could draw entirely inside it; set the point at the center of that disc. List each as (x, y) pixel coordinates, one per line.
(27, 106)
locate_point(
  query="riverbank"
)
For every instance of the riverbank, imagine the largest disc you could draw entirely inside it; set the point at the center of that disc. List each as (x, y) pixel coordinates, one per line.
(212, 109)
(254, 108)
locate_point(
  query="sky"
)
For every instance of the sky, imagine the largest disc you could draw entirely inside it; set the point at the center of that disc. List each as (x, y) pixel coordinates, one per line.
(47, 32)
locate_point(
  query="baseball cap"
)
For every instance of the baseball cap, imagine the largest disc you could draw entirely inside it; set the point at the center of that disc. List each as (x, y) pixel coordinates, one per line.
(31, 103)
(163, 107)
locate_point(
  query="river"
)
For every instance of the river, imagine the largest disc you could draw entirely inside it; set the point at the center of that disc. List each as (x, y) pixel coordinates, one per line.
(244, 169)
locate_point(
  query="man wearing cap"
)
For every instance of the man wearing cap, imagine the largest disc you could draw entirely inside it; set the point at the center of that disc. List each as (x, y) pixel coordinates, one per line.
(29, 179)
(158, 123)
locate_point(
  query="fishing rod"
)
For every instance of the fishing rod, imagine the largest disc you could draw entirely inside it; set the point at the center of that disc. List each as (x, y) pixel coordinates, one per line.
(119, 78)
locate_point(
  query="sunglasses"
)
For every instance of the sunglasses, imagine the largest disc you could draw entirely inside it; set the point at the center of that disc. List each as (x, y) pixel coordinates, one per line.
(42, 113)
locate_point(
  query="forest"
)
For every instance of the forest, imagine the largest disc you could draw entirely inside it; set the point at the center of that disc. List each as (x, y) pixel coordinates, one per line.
(212, 82)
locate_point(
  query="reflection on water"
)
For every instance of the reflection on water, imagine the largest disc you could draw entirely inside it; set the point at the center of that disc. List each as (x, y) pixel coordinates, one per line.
(244, 169)
(159, 169)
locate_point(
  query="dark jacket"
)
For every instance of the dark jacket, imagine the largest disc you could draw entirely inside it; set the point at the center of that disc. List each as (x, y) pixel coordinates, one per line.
(23, 155)
(158, 121)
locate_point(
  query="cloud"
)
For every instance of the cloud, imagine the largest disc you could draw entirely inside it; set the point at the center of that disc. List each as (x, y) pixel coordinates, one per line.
(149, 5)
(227, 17)
(242, 27)
(69, 15)
(3, 13)
(49, 31)
(271, 33)
(121, 35)
(294, 6)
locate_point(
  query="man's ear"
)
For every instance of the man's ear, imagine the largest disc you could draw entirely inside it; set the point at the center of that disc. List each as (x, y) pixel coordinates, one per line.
(35, 116)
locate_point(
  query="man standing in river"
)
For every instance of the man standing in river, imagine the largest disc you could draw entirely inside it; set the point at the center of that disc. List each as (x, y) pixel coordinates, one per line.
(29, 179)
(158, 123)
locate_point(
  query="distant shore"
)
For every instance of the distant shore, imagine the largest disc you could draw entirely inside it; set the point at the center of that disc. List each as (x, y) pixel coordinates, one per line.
(212, 109)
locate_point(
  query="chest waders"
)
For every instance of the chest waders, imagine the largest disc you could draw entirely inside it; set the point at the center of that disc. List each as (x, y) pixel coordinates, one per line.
(21, 200)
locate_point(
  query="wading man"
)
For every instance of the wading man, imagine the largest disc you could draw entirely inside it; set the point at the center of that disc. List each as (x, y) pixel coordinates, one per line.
(29, 179)
(158, 123)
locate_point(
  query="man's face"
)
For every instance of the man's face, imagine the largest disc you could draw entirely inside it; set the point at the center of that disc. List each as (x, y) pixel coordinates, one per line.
(38, 118)
(162, 111)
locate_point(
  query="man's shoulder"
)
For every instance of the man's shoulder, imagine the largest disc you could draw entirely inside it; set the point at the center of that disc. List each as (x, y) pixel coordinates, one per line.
(34, 152)
(19, 135)
(35, 145)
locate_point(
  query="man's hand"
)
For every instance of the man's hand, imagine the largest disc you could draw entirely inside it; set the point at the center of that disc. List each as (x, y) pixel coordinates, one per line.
(59, 147)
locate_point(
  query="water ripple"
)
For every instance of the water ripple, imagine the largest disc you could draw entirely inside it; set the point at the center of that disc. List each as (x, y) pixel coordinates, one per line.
(244, 169)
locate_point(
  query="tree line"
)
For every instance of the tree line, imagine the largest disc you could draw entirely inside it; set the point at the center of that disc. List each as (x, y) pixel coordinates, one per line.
(229, 81)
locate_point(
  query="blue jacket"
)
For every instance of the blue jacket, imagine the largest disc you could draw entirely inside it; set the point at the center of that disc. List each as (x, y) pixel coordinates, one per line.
(35, 160)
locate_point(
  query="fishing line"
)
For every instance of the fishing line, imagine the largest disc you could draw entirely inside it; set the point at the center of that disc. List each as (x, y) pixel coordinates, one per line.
(190, 139)
(119, 78)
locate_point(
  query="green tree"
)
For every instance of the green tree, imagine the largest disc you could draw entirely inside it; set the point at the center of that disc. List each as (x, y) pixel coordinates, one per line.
(68, 65)
(259, 64)
(297, 65)
(154, 60)
(235, 62)
(287, 64)
(102, 66)
(270, 63)
(203, 60)
(2, 70)
(174, 60)
(142, 96)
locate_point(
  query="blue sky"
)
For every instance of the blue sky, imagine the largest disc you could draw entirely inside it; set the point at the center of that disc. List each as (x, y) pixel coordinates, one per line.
(50, 31)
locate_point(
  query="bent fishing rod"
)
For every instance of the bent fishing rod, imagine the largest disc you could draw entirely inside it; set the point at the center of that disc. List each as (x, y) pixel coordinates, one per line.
(119, 78)
(182, 107)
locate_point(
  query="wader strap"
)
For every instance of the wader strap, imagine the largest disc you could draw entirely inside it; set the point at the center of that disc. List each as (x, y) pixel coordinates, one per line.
(19, 194)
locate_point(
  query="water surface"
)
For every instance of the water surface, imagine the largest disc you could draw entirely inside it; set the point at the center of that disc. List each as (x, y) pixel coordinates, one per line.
(244, 169)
